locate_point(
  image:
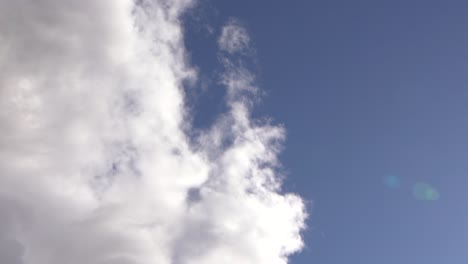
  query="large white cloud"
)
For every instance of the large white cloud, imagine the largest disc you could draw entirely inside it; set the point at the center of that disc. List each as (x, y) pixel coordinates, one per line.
(95, 162)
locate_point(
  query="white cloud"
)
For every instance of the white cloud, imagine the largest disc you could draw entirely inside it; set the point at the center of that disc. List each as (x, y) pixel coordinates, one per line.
(95, 166)
(234, 37)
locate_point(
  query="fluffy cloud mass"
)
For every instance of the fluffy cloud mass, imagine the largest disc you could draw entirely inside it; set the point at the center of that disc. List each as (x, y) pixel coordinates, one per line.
(96, 162)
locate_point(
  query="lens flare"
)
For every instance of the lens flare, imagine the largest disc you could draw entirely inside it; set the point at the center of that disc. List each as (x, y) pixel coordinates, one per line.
(425, 192)
(392, 182)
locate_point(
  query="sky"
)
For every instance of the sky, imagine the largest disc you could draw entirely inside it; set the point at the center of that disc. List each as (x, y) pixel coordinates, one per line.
(373, 95)
(200, 132)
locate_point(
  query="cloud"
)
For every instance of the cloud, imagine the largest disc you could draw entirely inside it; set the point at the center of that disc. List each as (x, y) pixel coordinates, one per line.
(234, 37)
(96, 165)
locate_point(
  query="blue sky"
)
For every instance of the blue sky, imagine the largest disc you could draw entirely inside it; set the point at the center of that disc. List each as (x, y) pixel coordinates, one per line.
(374, 98)
(150, 131)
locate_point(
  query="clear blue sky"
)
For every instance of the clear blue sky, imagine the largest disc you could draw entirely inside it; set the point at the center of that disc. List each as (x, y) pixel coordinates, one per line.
(374, 96)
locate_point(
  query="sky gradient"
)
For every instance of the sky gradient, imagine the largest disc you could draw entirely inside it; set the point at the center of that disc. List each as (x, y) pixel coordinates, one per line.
(233, 132)
(374, 98)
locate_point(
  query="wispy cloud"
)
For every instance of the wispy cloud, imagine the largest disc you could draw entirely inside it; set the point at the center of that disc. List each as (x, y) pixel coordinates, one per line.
(234, 37)
(95, 163)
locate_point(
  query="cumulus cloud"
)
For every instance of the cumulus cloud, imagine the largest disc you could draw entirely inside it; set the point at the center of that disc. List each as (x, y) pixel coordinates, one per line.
(95, 162)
